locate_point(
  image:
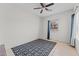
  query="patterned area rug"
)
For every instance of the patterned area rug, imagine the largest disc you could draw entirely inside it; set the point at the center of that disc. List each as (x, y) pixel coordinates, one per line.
(38, 47)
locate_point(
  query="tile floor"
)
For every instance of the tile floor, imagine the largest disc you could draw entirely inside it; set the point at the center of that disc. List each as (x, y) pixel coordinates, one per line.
(63, 50)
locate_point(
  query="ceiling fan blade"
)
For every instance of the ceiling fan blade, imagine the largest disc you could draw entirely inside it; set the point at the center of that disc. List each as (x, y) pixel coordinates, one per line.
(42, 4)
(41, 11)
(48, 9)
(38, 8)
(49, 4)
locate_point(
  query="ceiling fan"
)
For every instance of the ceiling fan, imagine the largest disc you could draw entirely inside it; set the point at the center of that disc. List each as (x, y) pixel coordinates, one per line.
(44, 7)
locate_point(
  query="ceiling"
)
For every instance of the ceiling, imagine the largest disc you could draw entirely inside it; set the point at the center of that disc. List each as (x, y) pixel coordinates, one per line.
(56, 8)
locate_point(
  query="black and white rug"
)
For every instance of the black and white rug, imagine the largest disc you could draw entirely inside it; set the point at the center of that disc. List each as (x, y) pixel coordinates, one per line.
(38, 47)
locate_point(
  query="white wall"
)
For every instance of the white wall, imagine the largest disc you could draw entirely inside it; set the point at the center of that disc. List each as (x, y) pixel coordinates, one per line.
(77, 30)
(1, 30)
(18, 26)
(64, 24)
(2, 24)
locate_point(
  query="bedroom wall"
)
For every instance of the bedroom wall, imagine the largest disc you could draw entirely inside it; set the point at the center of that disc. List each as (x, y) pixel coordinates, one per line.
(18, 25)
(1, 28)
(64, 26)
(77, 30)
(2, 24)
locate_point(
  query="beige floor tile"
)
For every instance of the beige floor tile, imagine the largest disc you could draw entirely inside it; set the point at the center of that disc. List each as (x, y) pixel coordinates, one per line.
(63, 50)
